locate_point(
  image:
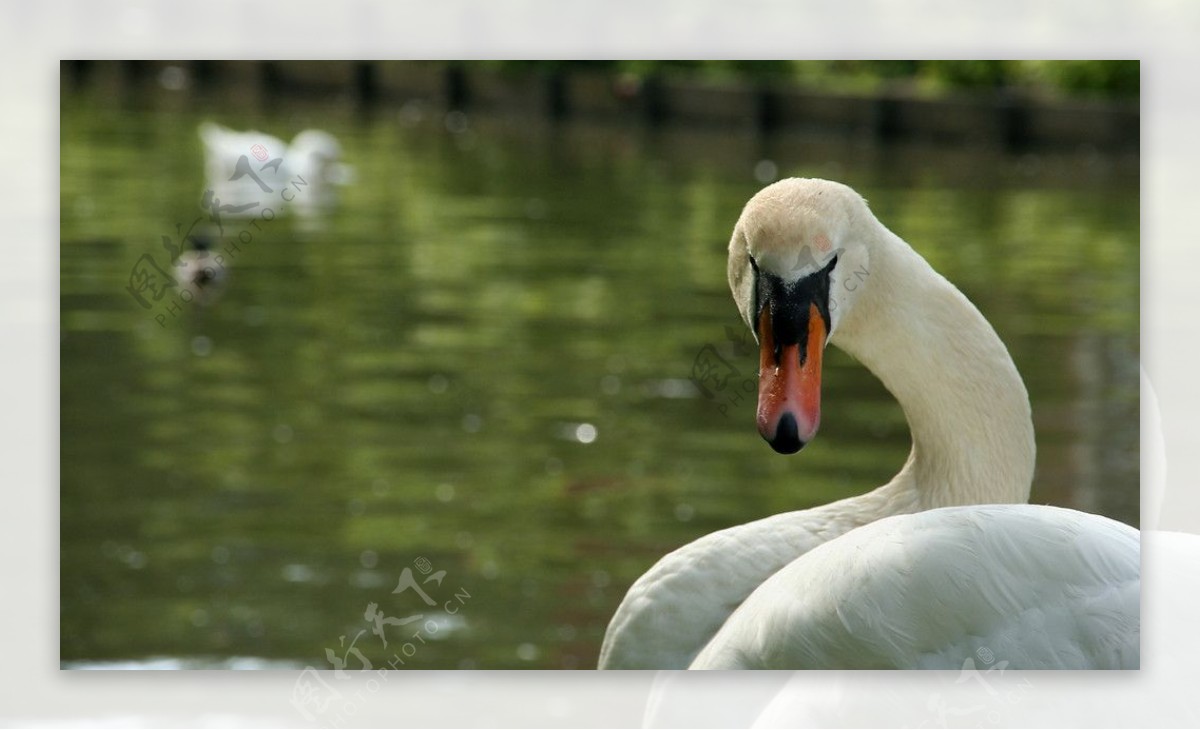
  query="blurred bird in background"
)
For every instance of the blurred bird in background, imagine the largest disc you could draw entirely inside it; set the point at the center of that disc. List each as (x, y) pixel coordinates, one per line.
(248, 172)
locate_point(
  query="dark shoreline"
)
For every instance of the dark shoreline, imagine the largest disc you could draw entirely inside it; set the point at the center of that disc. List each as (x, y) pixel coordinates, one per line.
(995, 120)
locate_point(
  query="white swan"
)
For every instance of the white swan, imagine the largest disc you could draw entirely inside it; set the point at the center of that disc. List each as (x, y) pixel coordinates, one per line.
(250, 171)
(930, 580)
(984, 691)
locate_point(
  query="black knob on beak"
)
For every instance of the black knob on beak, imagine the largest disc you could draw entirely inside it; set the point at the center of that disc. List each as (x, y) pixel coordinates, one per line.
(787, 435)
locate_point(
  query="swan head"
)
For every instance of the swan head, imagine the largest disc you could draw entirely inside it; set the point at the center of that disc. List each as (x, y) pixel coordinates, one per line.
(321, 156)
(792, 260)
(317, 143)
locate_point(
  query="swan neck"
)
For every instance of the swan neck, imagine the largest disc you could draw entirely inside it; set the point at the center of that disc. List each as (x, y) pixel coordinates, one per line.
(965, 402)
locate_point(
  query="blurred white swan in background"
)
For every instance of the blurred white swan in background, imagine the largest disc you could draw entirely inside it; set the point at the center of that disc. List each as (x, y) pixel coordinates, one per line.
(927, 571)
(248, 172)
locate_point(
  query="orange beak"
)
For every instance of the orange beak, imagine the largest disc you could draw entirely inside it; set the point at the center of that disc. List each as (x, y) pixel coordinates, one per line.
(789, 385)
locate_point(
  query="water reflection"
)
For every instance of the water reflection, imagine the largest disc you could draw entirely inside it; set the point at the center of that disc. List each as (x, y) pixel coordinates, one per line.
(482, 361)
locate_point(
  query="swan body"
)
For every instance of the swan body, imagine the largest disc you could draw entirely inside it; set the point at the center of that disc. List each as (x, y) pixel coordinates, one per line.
(309, 168)
(809, 264)
(1035, 586)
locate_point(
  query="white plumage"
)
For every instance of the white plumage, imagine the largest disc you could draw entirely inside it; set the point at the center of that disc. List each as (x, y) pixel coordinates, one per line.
(938, 564)
(1033, 586)
(309, 170)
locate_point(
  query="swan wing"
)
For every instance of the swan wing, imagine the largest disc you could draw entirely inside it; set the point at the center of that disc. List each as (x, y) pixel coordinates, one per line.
(231, 144)
(1034, 587)
(677, 606)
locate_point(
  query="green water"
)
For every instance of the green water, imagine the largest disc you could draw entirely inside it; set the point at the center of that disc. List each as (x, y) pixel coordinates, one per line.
(421, 376)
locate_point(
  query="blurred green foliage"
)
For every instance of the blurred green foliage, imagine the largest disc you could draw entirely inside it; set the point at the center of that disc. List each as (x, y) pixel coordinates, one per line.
(1114, 79)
